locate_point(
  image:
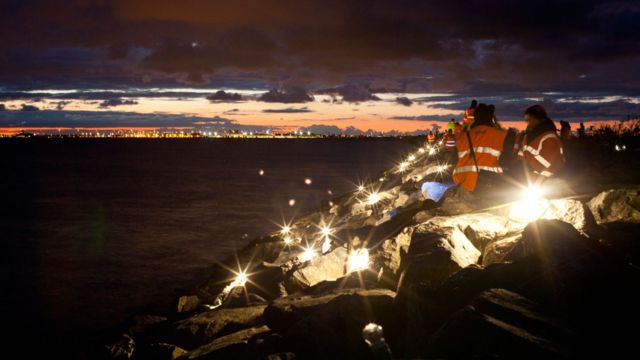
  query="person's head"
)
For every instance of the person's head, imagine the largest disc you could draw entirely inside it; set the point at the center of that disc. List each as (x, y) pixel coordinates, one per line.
(452, 120)
(534, 115)
(482, 116)
(474, 103)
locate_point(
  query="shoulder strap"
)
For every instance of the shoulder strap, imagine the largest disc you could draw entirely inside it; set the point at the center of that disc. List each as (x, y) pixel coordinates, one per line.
(473, 153)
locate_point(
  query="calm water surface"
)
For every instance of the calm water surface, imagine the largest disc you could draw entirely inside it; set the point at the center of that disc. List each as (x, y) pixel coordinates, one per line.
(95, 229)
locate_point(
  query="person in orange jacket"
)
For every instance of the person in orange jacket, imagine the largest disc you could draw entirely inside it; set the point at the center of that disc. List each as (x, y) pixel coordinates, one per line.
(479, 149)
(431, 138)
(541, 151)
(469, 114)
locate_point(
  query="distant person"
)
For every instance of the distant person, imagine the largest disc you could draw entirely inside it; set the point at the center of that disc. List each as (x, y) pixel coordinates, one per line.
(469, 114)
(565, 130)
(492, 110)
(451, 125)
(581, 131)
(541, 151)
(479, 149)
(431, 138)
(449, 140)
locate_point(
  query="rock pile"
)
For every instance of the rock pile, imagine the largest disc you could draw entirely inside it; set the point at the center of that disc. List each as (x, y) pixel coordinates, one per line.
(440, 283)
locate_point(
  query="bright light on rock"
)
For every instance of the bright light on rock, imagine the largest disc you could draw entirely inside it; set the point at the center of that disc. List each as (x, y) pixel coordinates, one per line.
(326, 231)
(307, 181)
(287, 240)
(373, 198)
(432, 151)
(240, 280)
(285, 230)
(261, 172)
(358, 260)
(307, 254)
(530, 207)
(360, 188)
(292, 202)
(411, 157)
(421, 150)
(326, 245)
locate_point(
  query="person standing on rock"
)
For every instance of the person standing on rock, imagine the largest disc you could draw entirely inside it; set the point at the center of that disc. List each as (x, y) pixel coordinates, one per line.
(469, 114)
(479, 149)
(541, 152)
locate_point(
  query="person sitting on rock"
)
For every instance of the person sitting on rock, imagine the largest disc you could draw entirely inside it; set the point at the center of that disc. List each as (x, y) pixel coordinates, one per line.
(479, 149)
(541, 151)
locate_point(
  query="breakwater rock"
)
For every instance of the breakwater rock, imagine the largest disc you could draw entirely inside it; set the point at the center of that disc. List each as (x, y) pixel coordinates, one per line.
(459, 277)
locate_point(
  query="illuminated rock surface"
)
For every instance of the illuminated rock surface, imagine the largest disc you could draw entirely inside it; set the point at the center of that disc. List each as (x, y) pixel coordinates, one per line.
(456, 278)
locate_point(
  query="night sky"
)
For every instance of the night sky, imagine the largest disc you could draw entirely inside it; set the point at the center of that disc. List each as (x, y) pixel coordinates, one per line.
(323, 65)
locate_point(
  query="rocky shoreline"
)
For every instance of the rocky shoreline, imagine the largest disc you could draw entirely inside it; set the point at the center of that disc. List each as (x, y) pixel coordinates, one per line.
(440, 279)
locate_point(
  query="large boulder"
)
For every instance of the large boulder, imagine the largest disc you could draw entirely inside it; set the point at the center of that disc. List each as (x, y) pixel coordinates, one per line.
(435, 254)
(573, 212)
(394, 250)
(497, 251)
(204, 327)
(234, 346)
(480, 228)
(617, 205)
(501, 324)
(329, 326)
(329, 266)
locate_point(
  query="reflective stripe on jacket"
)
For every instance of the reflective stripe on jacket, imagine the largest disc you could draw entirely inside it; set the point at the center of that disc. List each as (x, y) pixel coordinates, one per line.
(488, 143)
(543, 155)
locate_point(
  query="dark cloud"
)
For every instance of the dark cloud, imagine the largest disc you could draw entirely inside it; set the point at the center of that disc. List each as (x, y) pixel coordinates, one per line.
(26, 107)
(403, 100)
(116, 102)
(223, 96)
(286, 95)
(453, 45)
(351, 93)
(2, 107)
(288, 110)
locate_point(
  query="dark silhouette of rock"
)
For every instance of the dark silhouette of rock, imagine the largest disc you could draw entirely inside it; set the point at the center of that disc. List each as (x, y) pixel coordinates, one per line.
(235, 345)
(206, 326)
(187, 303)
(501, 324)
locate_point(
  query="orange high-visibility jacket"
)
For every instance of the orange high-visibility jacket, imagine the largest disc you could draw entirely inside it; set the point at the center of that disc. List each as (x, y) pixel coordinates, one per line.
(543, 155)
(468, 116)
(488, 143)
(449, 140)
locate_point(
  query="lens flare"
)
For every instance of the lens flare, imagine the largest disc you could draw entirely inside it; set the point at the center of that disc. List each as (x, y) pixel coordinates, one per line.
(358, 260)
(530, 207)
(421, 150)
(307, 254)
(285, 230)
(411, 157)
(239, 281)
(287, 240)
(326, 231)
(373, 198)
(360, 188)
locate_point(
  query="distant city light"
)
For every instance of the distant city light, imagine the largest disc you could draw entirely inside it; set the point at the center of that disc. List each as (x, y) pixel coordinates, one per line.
(307, 181)
(292, 202)
(261, 172)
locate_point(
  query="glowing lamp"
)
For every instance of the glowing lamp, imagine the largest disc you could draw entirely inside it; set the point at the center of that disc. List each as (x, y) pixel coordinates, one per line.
(530, 207)
(326, 231)
(421, 150)
(307, 254)
(360, 188)
(411, 157)
(373, 198)
(358, 260)
(285, 230)
(287, 240)
(240, 280)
